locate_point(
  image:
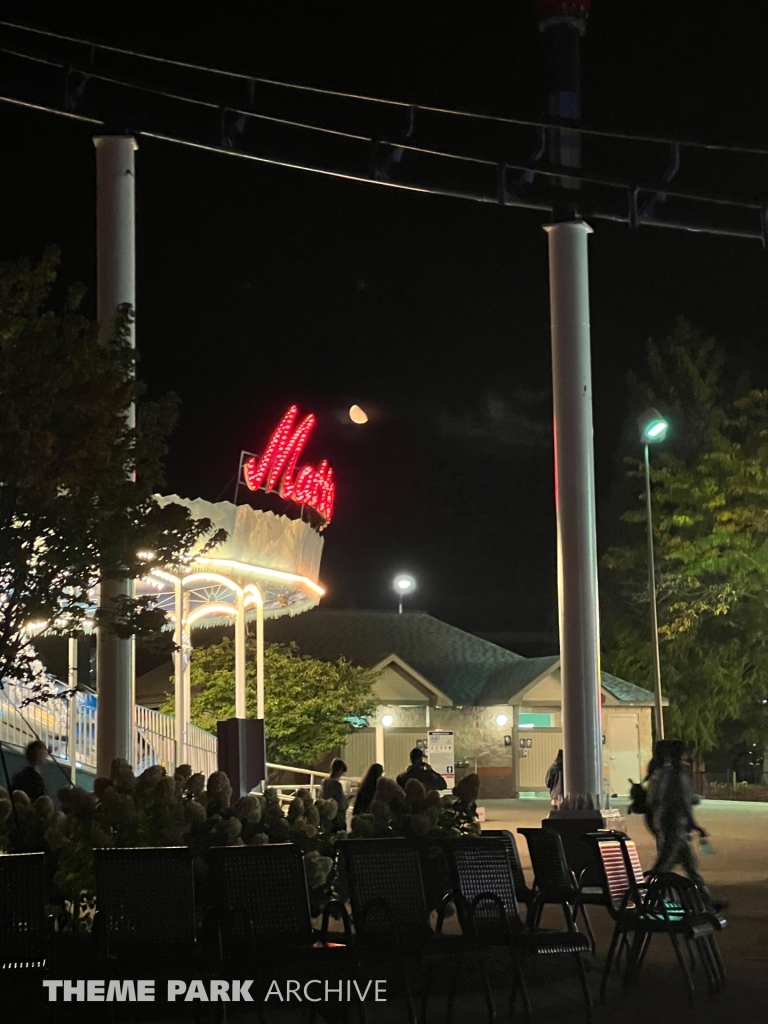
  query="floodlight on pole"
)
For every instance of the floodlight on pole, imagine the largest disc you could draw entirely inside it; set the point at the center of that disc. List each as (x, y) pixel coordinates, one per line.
(404, 585)
(653, 428)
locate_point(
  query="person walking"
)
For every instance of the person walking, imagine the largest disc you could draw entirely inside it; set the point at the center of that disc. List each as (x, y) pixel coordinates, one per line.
(29, 779)
(670, 808)
(422, 771)
(367, 789)
(554, 780)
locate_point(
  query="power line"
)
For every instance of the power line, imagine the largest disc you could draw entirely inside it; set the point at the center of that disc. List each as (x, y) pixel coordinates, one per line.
(736, 148)
(377, 160)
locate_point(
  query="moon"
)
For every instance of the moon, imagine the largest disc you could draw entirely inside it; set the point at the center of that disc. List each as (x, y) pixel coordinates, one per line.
(357, 415)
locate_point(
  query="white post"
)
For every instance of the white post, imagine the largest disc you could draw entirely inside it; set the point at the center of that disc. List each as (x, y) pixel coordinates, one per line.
(72, 727)
(575, 500)
(186, 689)
(380, 745)
(240, 657)
(178, 676)
(658, 710)
(260, 660)
(116, 285)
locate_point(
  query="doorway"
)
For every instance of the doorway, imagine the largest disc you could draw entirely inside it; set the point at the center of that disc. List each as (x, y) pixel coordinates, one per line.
(623, 752)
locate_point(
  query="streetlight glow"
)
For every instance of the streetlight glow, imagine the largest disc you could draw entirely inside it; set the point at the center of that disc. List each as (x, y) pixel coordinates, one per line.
(403, 584)
(387, 720)
(652, 425)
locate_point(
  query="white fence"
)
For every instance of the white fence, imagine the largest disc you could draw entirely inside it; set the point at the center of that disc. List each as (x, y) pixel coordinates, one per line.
(154, 741)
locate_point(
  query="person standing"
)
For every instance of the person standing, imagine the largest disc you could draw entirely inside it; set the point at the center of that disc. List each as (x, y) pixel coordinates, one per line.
(367, 789)
(332, 788)
(554, 780)
(422, 771)
(30, 780)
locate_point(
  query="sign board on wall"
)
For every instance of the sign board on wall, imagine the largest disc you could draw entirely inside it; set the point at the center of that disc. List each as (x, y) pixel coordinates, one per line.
(440, 754)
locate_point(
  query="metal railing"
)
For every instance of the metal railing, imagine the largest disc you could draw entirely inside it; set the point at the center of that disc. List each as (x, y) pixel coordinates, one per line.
(154, 739)
(49, 722)
(287, 790)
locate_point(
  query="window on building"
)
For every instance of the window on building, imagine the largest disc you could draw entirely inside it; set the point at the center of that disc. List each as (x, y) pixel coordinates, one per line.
(536, 720)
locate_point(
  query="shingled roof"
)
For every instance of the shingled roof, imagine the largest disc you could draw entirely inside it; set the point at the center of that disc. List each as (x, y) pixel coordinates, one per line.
(456, 662)
(466, 668)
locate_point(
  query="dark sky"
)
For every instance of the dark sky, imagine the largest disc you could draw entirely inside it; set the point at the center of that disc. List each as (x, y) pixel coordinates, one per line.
(259, 286)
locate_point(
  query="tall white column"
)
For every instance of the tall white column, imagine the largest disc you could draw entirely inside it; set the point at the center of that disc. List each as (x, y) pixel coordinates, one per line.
(178, 673)
(576, 527)
(116, 285)
(380, 745)
(72, 725)
(260, 660)
(240, 657)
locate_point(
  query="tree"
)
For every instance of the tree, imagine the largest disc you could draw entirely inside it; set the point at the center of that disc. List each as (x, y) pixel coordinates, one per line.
(308, 703)
(76, 483)
(710, 500)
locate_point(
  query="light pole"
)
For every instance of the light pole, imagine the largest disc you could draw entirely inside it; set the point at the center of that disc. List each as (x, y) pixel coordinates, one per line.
(403, 585)
(653, 428)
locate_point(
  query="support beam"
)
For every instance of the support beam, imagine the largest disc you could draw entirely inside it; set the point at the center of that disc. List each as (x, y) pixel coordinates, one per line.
(116, 286)
(178, 674)
(240, 689)
(260, 660)
(575, 502)
(72, 724)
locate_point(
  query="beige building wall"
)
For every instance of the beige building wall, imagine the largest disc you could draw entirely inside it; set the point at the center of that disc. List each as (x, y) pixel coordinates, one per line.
(481, 742)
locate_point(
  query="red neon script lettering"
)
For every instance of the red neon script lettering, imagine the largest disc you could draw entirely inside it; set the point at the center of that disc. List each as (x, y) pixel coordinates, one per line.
(275, 469)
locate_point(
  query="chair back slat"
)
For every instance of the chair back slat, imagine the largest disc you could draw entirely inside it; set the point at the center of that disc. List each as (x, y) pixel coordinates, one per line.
(621, 867)
(522, 890)
(550, 868)
(260, 895)
(23, 921)
(634, 860)
(481, 866)
(386, 888)
(145, 899)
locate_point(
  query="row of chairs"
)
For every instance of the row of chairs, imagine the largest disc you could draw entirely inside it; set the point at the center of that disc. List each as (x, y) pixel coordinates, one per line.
(639, 906)
(258, 912)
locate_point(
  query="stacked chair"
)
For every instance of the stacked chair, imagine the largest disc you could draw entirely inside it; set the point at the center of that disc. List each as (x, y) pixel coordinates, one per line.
(261, 920)
(392, 919)
(487, 905)
(667, 903)
(24, 928)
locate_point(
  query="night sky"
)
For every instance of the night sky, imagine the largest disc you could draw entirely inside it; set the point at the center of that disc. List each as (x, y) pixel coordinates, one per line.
(259, 286)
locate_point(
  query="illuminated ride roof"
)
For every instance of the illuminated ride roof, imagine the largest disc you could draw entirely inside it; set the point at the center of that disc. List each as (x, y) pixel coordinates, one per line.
(272, 556)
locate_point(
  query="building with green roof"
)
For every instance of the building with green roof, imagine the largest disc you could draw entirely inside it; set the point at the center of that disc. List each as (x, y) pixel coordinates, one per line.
(504, 709)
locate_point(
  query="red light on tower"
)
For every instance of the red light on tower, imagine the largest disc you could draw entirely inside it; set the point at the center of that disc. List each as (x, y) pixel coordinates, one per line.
(275, 469)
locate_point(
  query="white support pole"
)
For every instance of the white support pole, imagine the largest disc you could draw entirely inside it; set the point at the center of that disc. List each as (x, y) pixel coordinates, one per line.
(380, 745)
(186, 688)
(72, 725)
(260, 660)
(116, 285)
(575, 500)
(240, 657)
(178, 676)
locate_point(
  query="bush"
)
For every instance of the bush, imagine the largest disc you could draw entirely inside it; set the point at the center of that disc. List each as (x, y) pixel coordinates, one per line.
(157, 809)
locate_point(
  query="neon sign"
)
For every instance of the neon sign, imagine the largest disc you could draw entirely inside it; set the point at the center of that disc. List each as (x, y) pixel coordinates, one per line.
(275, 468)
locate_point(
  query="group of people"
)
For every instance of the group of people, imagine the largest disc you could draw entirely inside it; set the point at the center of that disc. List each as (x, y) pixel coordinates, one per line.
(418, 769)
(666, 801)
